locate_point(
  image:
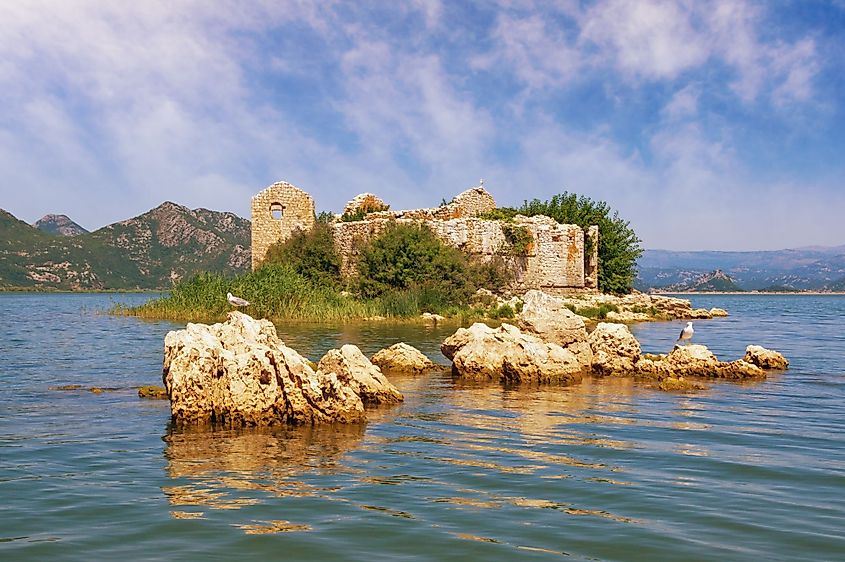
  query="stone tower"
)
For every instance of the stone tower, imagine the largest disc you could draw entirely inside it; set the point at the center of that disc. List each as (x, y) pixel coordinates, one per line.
(277, 212)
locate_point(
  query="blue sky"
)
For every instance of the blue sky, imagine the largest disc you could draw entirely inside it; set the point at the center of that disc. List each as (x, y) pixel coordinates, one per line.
(707, 124)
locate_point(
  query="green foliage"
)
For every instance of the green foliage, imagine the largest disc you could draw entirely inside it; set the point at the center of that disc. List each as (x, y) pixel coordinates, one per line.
(619, 246)
(312, 254)
(363, 211)
(412, 257)
(518, 239)
(500, 214)
(594, 312)
(325, 217)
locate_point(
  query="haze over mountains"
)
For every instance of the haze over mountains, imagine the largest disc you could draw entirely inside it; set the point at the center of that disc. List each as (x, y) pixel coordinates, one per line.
(811, 268)
(149, 251)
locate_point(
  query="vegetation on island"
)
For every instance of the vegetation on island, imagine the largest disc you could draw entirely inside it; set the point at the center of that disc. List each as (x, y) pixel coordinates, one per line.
(619, 246)
(402, 273)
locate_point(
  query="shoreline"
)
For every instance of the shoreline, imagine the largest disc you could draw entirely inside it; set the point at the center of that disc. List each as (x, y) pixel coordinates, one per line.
(750, 293)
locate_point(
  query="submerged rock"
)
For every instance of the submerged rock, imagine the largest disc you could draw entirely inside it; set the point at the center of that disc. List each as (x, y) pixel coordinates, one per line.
(505, 353)
(239, 373)
(150, 391)
(402, 358)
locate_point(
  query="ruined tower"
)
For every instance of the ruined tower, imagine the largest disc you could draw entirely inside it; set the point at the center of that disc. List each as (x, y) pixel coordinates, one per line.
(277, 212)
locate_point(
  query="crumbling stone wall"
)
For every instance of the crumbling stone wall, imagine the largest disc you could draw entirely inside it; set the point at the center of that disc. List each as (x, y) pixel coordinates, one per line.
(277, 212)
(555, 260)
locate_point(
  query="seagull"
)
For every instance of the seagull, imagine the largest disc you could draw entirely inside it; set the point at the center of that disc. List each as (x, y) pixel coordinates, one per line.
(236, 301)
(686, 333)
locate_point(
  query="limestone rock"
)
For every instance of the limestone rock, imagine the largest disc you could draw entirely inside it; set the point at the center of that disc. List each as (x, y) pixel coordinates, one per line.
(155, 392)
(353, 369)
(402, 358)
(505, 353)
(718, 312)
(678, 384)
(765, 358)
(433, 318)
(239, 373)
(614, 348)
(696, 360)
(549, 318)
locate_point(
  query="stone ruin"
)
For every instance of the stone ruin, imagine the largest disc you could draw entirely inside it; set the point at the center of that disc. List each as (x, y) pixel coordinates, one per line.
(555, 261)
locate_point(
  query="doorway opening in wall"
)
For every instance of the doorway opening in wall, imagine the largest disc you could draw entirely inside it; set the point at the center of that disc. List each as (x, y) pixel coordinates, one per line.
(277, 211)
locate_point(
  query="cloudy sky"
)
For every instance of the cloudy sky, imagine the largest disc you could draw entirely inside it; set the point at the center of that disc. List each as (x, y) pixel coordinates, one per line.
(707, 124)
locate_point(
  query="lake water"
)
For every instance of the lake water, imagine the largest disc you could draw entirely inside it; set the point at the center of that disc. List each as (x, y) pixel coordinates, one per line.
(606, 470)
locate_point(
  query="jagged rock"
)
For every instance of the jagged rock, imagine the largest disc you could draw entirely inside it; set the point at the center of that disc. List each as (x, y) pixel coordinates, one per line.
(696, 360)
(239, 373)
(505, 353)
(614, 348)
(352, 368)
(765, 358)
(402, 358)
(718, 312)
(549, 318)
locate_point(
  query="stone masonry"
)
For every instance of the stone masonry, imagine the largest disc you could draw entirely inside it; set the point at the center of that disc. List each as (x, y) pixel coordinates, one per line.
(555, 260)
(277, 212)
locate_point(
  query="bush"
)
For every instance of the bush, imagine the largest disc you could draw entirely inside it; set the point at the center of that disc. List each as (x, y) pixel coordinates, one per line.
(619, 246)
(311, 254)
(410, 256)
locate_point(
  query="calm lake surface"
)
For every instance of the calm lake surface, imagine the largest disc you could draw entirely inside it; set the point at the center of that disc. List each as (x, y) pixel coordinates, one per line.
(607, 470)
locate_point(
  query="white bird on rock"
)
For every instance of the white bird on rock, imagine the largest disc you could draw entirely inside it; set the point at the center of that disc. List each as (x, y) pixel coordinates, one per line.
(236, 301)
(686, 333)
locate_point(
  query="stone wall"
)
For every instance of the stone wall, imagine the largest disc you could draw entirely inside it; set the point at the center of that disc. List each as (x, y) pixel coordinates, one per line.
(555, 259)
(277, 212)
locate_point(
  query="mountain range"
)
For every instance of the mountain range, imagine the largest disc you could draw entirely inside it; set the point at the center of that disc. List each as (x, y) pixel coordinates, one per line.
(811, 268)
(150, 251)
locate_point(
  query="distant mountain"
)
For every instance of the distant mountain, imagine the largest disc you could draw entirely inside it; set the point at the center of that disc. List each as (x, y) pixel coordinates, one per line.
(715, 281)
(810, 268)
(60, 225)
(150, 251)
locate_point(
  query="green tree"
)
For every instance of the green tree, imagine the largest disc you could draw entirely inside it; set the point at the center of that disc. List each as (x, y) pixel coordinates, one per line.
(619, 246)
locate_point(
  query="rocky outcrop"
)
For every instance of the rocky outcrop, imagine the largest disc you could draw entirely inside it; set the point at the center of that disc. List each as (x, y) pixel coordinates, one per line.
(639, 307)
(765, 358)
(548, 318)
(505, 353)
(354, 370)
(239, 373)
(364, 203)
(614, 349)
(695, 361)
(402, 358)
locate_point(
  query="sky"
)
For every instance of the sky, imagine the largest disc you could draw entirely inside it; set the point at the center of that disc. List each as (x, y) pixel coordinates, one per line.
(707, 124)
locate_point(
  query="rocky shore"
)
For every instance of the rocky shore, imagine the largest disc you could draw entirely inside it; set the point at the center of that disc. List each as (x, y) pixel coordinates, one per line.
(239, 372)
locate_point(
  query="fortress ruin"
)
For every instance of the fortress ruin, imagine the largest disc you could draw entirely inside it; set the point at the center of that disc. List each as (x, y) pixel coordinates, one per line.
(553, 261)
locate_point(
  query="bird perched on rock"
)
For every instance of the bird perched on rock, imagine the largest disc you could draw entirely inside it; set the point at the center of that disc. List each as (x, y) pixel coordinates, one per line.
(236, 301)
(686, 333)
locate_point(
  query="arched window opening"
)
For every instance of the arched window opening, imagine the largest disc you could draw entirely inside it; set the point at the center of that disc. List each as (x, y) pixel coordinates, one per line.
(277, 211)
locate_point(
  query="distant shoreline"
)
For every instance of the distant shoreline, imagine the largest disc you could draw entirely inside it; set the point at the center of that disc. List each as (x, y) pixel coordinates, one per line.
(763, 293)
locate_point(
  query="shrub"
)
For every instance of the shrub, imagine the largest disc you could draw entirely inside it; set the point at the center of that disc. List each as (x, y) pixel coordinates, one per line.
(311, 254)
(518, 239)
(410, 256)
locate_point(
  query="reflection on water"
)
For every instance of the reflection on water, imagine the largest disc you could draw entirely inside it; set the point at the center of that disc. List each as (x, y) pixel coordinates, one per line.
(608, 469)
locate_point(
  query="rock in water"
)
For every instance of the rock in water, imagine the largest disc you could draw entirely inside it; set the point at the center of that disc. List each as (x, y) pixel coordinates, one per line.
(615, 349)
(402, 358)
(548, 318)
(765, 358)
(240, 373)
(505, 353)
